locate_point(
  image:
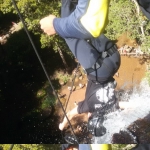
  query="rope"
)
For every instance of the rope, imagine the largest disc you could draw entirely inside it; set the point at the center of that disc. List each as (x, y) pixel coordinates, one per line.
(42, 65)
(69, 96)
(71, 87)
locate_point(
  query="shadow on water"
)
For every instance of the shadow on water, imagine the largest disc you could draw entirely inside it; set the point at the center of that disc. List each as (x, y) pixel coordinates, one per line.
(21, 75)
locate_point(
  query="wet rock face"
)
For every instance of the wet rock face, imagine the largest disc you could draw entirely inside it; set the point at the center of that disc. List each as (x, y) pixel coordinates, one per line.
(123, 137)
(141, 129)
(138, 132)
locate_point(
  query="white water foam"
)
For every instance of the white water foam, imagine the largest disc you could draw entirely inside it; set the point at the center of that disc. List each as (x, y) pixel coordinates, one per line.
(120, 120)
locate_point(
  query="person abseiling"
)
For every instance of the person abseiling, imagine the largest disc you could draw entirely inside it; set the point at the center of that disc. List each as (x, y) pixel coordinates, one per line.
(82, 24)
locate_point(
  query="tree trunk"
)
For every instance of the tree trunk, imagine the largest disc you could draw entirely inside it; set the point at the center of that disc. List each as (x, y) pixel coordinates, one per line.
(63, 58)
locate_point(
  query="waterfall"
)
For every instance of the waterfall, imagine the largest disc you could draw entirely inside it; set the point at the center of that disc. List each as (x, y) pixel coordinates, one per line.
(121, 119)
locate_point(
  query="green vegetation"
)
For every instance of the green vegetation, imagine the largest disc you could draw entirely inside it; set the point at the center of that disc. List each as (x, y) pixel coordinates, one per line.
(32, 11)
(123, 146)
(124, 18)
(48, 101)
(63, 77)
(30, 147)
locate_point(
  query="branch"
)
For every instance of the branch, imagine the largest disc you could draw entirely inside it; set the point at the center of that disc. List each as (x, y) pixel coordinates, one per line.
(137, 7)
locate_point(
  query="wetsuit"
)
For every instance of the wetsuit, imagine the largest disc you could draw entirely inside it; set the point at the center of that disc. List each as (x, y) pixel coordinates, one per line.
(85, 20)
(145, 7)
(87, 43)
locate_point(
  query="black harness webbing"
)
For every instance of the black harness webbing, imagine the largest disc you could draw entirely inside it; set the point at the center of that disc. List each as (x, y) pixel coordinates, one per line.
(100, 59)
(43, 66)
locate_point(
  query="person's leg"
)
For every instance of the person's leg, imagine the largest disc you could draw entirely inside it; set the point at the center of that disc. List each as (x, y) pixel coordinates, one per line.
(70, 115)
(79, 109)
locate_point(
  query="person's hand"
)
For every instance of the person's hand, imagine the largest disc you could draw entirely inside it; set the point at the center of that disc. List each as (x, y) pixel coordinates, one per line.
(47, 25)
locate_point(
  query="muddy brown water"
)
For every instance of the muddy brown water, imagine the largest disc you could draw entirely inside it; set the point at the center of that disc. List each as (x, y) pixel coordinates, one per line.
(131, 72)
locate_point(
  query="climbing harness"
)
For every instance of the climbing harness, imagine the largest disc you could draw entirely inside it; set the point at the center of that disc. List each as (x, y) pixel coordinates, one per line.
(99, 61)
(102, 56)
(33, 45)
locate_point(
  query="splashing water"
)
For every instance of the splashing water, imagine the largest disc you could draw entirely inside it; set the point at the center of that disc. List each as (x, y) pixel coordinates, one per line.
(120, 120)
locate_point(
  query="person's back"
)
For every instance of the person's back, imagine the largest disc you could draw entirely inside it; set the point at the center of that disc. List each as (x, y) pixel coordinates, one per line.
(95, 52)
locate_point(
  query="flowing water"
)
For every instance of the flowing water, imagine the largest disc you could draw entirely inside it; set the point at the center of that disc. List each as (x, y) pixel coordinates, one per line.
(120, 120)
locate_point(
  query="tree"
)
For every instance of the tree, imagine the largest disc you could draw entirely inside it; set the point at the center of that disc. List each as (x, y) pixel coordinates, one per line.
(32, 11)
(124, 17)
(58, 45)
